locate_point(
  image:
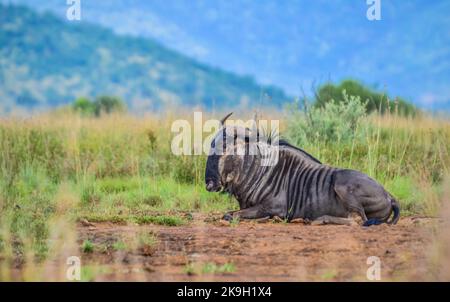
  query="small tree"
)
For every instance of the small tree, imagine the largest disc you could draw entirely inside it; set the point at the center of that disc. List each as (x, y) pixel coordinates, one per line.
(84, 106)
(375, 100)
(108, 105)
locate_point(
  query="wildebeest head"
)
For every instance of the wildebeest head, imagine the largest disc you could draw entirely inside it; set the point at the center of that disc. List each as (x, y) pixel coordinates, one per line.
(225, 156)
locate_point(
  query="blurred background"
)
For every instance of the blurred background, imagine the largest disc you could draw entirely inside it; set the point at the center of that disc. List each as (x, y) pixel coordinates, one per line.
(220, 53)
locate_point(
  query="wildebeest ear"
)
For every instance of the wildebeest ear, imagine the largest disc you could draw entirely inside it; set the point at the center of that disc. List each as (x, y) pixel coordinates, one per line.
(222, 122)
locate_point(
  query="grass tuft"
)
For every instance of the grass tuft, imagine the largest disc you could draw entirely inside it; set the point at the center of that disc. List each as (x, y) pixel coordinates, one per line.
(87, 247)
(161, 220)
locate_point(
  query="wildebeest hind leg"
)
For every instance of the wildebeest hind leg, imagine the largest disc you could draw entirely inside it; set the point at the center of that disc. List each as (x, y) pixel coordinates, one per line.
(347, 197)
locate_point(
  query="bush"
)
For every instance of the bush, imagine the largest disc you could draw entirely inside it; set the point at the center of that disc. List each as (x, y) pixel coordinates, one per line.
(334, 122)
(84, 106)
(101, 105)
(108, 105)
(375, 100)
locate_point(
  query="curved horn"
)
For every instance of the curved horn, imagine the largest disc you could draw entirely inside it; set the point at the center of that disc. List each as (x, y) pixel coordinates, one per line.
(225, 118)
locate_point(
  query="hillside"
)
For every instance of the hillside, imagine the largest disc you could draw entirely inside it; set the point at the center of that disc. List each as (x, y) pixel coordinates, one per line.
(275, 42)
(46, 62)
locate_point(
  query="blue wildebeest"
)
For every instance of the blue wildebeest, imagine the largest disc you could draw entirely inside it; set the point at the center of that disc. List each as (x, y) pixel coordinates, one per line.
(297, 186)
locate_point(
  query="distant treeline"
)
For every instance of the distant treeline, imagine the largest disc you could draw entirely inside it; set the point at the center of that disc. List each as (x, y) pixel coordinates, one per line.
(102, 104)
(373, 100)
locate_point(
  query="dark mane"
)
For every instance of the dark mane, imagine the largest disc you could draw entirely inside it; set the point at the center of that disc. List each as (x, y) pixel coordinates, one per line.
(283, 142)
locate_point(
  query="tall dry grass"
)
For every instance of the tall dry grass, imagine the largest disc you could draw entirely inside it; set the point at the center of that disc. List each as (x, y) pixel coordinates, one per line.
(439, 250)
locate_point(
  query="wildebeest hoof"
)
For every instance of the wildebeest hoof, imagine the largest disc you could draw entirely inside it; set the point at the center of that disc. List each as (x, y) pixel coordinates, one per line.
(263, 220)
(298, 220)
(356, 219)
(224, 223)
(332, 220)
(277, 219)
(318, 222)
(372, 221)
(86, 223)
(227, 217)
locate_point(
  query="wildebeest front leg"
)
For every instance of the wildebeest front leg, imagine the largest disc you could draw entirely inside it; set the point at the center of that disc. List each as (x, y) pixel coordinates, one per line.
(326, 219)
(254, 212)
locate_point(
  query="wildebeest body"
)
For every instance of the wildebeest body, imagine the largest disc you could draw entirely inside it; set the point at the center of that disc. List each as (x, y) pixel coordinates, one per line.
(298, 186)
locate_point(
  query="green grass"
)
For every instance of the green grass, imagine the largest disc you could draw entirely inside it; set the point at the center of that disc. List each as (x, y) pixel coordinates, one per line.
(161, 220)
(190, 269)
(146, 243)
(146, 239)
(90, 272)
(234, 222)
(87, 247)
(104, 217)
(405, 190)
(146, 201)
(208, 268)
(120, 246)
(149, 194)
(28, 203)
(329, 275)
(212, 268)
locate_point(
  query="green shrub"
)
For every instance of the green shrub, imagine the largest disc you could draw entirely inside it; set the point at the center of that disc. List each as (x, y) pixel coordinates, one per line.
(335, 122)
(84, 106)
(101, 105)
(375, 101)
(108, 104)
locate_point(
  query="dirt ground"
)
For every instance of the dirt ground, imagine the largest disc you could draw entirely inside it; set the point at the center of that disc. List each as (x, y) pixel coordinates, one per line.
(262, 251)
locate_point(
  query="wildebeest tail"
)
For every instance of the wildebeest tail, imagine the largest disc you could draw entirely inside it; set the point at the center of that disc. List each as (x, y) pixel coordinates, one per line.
(395, 210)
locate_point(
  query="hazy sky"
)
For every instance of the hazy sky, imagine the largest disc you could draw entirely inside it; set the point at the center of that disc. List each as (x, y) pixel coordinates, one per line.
(295, 43)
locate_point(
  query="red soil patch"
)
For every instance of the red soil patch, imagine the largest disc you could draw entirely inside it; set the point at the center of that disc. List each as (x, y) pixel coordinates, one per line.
(263, 251)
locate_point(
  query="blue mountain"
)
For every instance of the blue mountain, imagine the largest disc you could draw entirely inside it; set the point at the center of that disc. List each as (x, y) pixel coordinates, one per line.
(296, 44)
(46, 61)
